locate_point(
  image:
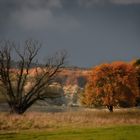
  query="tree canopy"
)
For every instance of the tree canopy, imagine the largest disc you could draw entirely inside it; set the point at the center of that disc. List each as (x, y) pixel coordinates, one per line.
(110, 84)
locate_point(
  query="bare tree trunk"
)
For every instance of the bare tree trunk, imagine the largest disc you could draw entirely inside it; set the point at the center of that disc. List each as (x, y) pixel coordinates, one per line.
(110, 108)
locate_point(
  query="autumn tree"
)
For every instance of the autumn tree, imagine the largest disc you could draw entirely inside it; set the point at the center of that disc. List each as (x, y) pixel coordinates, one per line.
(16, 77)
(136, 64)
(112, 83)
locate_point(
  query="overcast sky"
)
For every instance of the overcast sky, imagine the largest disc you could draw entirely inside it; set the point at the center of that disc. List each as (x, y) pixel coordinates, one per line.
(91, 31)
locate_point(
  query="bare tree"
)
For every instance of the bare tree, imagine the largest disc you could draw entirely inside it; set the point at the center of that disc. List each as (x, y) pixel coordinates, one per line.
(14, 80)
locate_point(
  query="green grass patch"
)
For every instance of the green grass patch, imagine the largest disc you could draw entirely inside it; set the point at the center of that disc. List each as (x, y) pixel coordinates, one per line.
(130, 132)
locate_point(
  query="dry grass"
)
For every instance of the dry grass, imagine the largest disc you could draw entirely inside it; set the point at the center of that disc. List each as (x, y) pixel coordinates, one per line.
(85, 118)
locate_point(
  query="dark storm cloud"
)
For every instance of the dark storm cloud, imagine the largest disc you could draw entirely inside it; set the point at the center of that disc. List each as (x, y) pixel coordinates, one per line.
(125, 1)
(39, 13)
(34, 15)
(92, 31)
(5, 9)
(11, 9)
(17, 4)
(90, 3)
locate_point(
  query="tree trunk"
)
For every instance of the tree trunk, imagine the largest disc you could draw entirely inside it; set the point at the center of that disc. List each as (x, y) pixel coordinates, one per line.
(110, 108)
(16, 110)
(20, 109)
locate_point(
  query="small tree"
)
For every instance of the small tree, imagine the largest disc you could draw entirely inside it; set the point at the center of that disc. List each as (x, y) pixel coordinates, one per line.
(15, 76)
(111, 83)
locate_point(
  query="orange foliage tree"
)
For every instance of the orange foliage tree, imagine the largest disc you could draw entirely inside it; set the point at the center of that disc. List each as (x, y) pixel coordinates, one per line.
(136, 64)
(110, 84)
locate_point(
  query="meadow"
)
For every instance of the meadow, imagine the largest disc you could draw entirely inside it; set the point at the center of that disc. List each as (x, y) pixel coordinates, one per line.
(102, 133)
(85, 124)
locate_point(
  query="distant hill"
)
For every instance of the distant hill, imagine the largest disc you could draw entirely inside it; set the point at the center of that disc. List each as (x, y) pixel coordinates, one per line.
(73, 76)
(70, 75)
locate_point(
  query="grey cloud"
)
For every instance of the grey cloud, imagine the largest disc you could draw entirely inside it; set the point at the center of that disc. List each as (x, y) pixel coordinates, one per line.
(125, 1)
(40, 19)
(90, 3)
(39, 14)
(34, 15)
(8, 7)
(99, 34)
(31, 19)
(17, 4)
(26, 13)
(36, 4)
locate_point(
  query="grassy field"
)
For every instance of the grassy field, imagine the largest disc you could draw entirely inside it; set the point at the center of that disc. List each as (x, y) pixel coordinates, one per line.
(107, 133)
(88, 124)
(85, 118)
